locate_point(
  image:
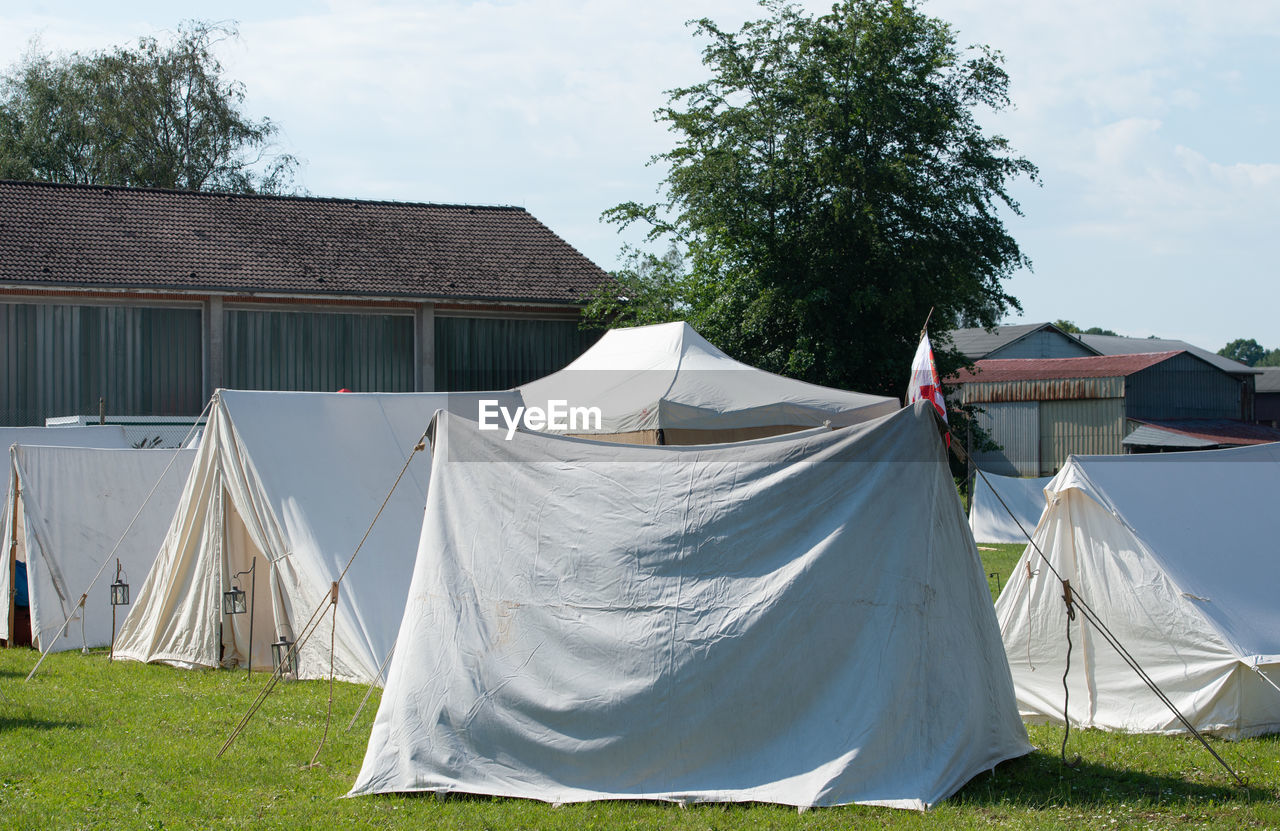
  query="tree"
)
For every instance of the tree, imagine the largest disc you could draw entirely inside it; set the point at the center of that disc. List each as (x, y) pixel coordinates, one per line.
(830, 185)
(647, 289)
(1272, 358)
(1247, 351)
(1072, 329)
(159, 115)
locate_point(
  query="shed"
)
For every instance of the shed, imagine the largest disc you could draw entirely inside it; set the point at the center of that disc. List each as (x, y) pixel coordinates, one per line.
(1042, 410)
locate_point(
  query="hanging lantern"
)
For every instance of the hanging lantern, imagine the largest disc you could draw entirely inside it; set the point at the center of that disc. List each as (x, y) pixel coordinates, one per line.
(234, 601)
(119, 592)
(283, 657)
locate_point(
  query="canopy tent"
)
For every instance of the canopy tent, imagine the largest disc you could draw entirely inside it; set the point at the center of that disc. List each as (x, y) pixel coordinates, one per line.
(74, 506)
(665, 384)
(992, 520)
(292, 481)
(1176, 553)
(110, 436)
(801, 620)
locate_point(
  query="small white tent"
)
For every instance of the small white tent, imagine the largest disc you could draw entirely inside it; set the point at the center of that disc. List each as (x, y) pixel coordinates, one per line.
(667, 377)
(800, 620)
(109, 436)
(1176, 553)
(75, 505)
(994, 521)
(292, 480)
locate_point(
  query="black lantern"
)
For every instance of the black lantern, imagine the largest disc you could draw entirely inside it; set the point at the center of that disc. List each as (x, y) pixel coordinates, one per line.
(234, 601)
(283, 657)
(119, 597)
(119, 589)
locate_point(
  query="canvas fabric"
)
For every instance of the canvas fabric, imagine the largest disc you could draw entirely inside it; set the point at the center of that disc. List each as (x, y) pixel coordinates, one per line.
(668, 377)
(293, 480)
(992, 520)
(1175, 553)
(799, 620)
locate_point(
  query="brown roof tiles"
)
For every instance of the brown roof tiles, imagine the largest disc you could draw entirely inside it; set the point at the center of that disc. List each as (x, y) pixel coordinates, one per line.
(83, 236)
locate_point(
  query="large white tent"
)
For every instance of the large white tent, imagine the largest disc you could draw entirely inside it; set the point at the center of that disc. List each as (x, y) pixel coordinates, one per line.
(1003, 506)
(801, 620)
(292, 481)
(1176, 553)
(78, 507)
(668, 378)
(109, 436)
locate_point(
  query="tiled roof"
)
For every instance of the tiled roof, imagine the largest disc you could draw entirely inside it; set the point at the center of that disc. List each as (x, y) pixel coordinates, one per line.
(1043, 369)
(81, 236)
(1120, 345)
(1202, 432)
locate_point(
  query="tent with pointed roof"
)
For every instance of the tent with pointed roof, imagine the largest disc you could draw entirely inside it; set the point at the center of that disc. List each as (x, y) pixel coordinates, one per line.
(796, 619)
(11, 522)
(292, 481)
(1002, 507)
(665, 384)
(1176, 554)
(80, 508)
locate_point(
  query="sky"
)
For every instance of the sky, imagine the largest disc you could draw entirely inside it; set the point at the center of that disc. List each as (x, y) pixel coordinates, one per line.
(1153, 124)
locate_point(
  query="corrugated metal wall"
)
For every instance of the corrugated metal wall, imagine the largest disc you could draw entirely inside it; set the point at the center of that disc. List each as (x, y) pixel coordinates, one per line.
(495, 354)
(1043, 344)
(318, 351)
(59, 360)
(1015, 426)
(1183, 387)
(1094, 426)
(1052, 389)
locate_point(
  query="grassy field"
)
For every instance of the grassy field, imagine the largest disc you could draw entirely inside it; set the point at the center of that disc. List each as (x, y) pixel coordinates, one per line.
(92, 744)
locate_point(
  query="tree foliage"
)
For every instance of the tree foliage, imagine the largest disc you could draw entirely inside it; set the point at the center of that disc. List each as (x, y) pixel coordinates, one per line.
(1072, 329)
(158, 115)
(1245, 350)
(830, 185)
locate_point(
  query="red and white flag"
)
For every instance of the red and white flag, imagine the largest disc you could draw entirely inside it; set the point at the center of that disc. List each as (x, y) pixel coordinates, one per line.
(924, 384)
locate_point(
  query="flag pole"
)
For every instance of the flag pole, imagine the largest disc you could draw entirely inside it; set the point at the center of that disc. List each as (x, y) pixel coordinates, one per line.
(924, 330)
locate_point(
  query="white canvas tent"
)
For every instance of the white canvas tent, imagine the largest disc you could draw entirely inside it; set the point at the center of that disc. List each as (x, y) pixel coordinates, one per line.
(74, 506)
(109, 436)
(801, 620)
(292, 480)
(668, 378)
(992, 521)
(1177, 554)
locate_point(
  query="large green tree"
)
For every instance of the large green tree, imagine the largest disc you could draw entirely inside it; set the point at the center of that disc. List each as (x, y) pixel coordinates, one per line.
(830, 184)
(1245, 350)
(156, 115)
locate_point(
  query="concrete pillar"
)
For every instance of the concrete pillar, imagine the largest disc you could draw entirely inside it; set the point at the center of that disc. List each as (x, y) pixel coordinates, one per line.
(214, 354)
(424, 329)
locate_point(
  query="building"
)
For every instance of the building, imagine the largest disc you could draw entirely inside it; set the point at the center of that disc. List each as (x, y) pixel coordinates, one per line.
(1044, 394)
(1267, 396)
(148, 300)
(1041, 410)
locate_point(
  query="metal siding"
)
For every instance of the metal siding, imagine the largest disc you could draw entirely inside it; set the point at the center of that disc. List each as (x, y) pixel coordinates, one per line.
(1183, 387)
(1082, 427)
(1015, 426)
(1043, 344)
(317, 351)
(1053, 389)
(496, 353)
(59, 360)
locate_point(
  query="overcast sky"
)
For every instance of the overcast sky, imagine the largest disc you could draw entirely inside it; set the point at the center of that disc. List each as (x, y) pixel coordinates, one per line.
(1153, 122)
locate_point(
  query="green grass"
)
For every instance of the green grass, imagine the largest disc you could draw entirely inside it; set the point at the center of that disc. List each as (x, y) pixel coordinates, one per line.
(92, 744)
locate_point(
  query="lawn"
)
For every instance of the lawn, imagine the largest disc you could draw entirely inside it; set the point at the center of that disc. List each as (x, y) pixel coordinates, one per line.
(93, 744)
